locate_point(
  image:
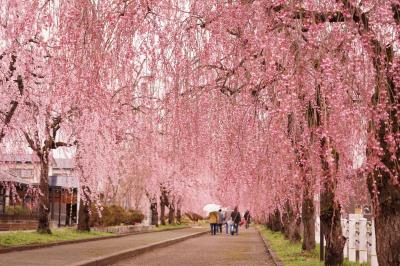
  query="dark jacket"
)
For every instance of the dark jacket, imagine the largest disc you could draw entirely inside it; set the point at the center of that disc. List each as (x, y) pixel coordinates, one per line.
(235, 217)
(247, 216)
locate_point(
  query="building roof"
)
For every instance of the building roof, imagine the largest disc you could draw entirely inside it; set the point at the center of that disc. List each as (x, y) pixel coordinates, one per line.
(7, 177)
(22, 158)
(64, 163)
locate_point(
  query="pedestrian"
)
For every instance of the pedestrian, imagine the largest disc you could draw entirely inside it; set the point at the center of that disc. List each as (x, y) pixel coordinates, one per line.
(227, 222)
(213, 222)
(220, 220)
(247, 218)
(236, 220)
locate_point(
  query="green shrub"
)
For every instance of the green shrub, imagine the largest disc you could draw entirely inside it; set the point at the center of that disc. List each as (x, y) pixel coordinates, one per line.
(194, 216)
(134, 217)
(185, 220)
(115, 215)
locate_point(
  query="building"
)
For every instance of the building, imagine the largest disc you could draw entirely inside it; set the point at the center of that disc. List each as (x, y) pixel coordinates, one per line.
(63, 192)
(20, 175)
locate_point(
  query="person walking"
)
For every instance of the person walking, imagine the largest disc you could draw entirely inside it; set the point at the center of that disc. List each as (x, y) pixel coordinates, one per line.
(236, 220)
(247, 218)
(227, 222)
(213, 222)
(220, 221)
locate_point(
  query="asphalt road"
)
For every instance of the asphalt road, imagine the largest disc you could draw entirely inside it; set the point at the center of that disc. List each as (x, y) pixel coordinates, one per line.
(245, 249)
(72, 254)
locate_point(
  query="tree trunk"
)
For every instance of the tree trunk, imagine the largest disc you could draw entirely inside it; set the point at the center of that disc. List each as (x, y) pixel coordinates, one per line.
(295, 234)
(307, 206)
(44, 206)
(384, 188)
(308, 218)
(387, 229)
(178, 210)
(286, 221)
(162, 211)
(84, 217)
(274, 221)
(330, 209)
(291, 224)
(154, 212)
(84, 211)
(387, 219)
(179, 216)
(171, 214)
(331, 228)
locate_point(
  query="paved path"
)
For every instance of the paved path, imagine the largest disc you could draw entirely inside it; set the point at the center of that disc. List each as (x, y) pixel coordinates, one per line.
(245, 249)
(74, 253)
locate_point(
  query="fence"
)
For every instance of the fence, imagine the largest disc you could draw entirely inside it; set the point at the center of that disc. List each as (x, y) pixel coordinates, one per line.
(360, 239)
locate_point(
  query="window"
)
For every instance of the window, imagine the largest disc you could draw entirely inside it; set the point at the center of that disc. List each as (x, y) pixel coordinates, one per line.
(22, 173)
(26, 173)
(15, 172)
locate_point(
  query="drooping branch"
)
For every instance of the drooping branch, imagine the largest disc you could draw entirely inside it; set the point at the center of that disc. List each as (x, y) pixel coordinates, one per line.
(14, 103)
(31, 143)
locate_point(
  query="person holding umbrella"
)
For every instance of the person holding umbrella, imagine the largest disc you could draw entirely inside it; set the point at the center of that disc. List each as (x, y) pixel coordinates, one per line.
(212, 209)
(213, 219)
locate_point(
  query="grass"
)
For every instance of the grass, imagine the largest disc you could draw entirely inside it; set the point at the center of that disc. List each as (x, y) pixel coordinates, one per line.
(22, 238)
(170, 226)
(291, 254)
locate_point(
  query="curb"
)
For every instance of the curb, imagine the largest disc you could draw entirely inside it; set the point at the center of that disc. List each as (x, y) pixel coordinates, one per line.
(128, 253)
(274, 257)
(37, 246)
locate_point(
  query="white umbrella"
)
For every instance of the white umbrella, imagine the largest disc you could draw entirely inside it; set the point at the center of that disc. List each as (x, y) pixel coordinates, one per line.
(211, 207)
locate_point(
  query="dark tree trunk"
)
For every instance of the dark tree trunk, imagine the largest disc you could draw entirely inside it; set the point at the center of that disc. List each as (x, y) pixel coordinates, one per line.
(295, 235)
(286, 221)
(302, 157)
(162, 211)
(179, 216)
(291, 224)
(154, 212)
(383, 189)
(274, 221)
(307, 206)
(308, 218)
(384, 192)
(387, 219)
(84, 211)
(387, 228)
(178, 210)
(171, 214)
(331, 228)
(330, 209)
(163, 203)
(44, 206)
